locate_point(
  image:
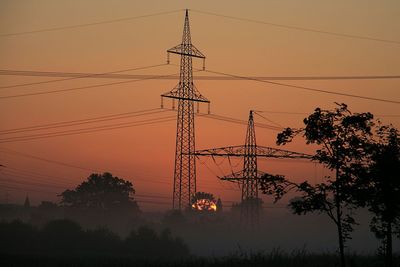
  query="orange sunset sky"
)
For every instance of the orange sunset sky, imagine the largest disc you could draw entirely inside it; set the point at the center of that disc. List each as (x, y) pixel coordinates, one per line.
(145, 154)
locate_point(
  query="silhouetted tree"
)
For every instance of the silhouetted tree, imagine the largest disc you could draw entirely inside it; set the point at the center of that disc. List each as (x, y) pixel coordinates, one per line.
(17, 237)
(381, 187)
(45, 212)
(173, 247)
(343, 138)
(103, 241)
(48, 205)
(102, 192)
(60, 236)
(65, 239)
(146, 243)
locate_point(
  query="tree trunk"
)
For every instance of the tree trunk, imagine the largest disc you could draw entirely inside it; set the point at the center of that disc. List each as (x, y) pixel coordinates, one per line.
(389, 248)
(340, 234)
(339, 221)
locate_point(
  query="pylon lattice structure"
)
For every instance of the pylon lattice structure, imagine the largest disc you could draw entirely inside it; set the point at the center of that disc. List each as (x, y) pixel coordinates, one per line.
(186, 94)
(249, 176)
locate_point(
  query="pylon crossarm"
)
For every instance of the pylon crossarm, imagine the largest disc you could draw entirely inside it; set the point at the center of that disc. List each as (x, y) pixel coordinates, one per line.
(234, 151)
(176, 93)
(186, 50)
(198, 95)
(186, 98)
(270, 152)
(260, 151)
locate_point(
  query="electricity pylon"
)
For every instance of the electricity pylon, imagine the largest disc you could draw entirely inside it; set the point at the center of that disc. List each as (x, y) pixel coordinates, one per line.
(186, 93)
(249, 176)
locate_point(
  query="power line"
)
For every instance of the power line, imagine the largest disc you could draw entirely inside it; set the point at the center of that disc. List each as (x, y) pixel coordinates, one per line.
(151, 196)
(57, 193)
(29, 182)
(79, 76)
(267, 119)
(34, 176)
(305, 113)
(297, 28)
(136, 196)
(45, 177)
(13, 183)
(13, 152)
(134, 179)
(283, 112)
(114, 75)
(145, 195)
(82, 121)
(237, 121)
(88, 24)
(54, 186)
(26, 155)
(154, 202)
(84, 130)
(61, 163)
(88, 130)
(61, 181)
(58, 180)
(33, 190)
(76, 88)
(216, 175)
(29, 176)
(33, 173)
(306, 88)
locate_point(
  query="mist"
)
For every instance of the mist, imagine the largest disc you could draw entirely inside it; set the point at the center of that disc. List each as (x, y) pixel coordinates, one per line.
(214, 233)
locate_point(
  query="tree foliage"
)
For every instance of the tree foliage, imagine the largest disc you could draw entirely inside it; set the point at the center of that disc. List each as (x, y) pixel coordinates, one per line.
(66, 239)
(145, 242)
(101, 192)
(380, 187)
(342, 139)
(383, 189)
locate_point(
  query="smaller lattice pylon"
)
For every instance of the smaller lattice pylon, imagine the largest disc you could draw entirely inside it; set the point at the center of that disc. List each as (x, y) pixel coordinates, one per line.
(249, 176)
(250, 204)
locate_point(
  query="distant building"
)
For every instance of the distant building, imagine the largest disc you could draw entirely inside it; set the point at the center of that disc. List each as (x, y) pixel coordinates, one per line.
(27, 203)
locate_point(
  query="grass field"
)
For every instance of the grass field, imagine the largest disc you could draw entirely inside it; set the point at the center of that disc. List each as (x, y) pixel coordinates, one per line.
(273, 259)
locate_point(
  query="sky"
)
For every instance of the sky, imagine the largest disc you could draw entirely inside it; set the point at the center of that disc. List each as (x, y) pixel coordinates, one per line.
(145, 154)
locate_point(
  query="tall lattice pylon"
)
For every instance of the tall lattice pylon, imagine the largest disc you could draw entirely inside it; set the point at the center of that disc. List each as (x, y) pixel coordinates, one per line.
(186, 94)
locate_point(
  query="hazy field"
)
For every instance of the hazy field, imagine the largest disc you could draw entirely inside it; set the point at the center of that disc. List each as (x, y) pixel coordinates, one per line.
(272, 259)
